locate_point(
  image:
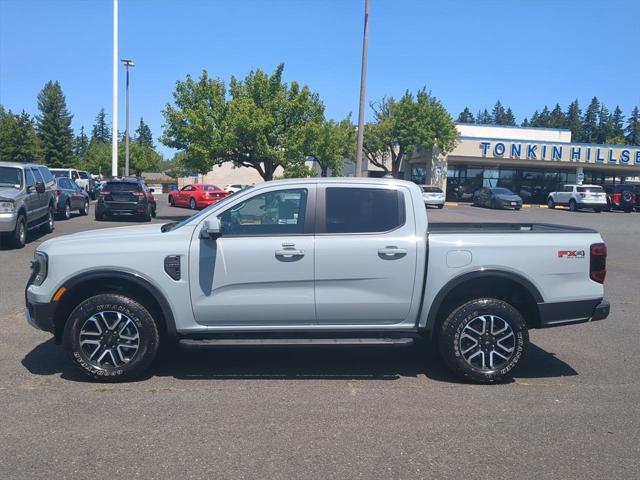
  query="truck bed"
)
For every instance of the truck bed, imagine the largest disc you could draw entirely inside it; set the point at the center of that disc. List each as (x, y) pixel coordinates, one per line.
(473, 227)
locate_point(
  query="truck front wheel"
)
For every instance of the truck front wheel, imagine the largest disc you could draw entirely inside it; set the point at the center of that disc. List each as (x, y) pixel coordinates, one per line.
(111, 337)
(483, 340)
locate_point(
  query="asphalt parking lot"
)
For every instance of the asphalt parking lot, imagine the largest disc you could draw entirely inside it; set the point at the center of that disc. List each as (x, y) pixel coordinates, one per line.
(571, 411)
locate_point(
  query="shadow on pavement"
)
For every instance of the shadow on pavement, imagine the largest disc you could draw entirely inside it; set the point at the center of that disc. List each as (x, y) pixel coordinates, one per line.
(335, 363)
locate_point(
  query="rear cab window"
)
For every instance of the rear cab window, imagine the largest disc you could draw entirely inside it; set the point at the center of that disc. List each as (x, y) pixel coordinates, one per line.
(589, 189)
(122, 187)
(431, 190)
(362, 210)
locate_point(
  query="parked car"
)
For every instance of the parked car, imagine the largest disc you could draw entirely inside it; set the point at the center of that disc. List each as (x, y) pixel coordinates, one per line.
(320, 262)
(578, 197)
(73, 174)
(621, 197)
(27, 201)
(129, 196)
(497, 197)
(90, 185)
(196, 195)
(432, 195)
(235, 187)
(70, 197)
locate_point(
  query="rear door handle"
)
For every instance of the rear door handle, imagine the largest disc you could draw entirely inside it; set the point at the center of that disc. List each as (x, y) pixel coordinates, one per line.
(392, 252)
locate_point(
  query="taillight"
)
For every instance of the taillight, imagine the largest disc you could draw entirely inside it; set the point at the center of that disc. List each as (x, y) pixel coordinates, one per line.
(598, 262)
(138, 194)
(58, 193)
(104, 193)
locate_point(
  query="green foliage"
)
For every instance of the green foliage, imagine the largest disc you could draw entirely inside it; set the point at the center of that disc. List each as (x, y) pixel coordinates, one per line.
(404, 126)
(604, 129)
(299, 171)
(142, 158)
(633, 127)
(175, 167)
(101, 131)
(617, 123)
(261, 126)
(509, 118)
(18, 139)
(54, 126)
(329, 143)
(143, 134)
(615, 140)
(590, 122)
(574, 120)
(484, 117)
(498, 113)
(80, 147)
(97, 158)
(466, 116)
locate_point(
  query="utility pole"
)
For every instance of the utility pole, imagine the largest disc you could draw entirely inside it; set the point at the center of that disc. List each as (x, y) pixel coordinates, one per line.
(363, 86)
(114, 127)
(127, 63)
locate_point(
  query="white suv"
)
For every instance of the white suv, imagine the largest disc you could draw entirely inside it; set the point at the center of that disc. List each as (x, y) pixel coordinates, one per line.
(577, 197)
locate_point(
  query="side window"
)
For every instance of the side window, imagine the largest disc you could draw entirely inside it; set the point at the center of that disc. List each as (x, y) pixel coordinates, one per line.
(46, 174)
(30, 178)
(363, 210)
(74, 175)
(273, 213)
(188, 188)
(37, 176)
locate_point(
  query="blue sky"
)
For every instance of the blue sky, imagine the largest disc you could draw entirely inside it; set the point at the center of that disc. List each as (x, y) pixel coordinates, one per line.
(467, 52)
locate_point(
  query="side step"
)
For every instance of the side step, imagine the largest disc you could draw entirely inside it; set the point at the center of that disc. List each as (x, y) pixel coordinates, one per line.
(292, 342)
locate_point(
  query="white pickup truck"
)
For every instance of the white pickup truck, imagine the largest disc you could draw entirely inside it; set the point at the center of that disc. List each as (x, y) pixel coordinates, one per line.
(317, 262)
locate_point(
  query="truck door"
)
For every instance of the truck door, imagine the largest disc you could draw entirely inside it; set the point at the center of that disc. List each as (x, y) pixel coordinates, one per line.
(260, 270)
(365, 255)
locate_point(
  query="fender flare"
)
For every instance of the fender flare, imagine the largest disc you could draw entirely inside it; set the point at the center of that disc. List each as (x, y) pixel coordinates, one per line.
(474, 275)
(136, 278)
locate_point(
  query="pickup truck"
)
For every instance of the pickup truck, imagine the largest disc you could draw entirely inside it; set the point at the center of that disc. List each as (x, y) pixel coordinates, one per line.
(315, 262)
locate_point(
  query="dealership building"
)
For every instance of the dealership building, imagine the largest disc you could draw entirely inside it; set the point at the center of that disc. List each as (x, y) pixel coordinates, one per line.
(529, 161)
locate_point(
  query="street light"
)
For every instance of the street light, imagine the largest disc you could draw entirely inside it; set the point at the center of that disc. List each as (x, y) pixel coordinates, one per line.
(127, 63)
(363, 86)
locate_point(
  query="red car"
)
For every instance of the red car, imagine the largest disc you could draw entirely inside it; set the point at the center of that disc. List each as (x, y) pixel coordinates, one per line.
(196, 195)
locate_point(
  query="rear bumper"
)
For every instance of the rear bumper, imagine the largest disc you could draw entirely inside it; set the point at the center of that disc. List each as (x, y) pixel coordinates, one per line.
(592, 205)
(121, 207)
(567, 313)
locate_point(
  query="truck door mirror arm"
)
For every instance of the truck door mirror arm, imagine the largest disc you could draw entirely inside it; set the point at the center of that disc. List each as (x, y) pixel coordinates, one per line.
(211, 229)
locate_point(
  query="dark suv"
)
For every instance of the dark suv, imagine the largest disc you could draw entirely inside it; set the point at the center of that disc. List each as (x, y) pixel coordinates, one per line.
(126, 196)
(621, 197)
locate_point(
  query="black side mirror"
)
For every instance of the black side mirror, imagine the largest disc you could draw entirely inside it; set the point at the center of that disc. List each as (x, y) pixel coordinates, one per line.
(40, 187)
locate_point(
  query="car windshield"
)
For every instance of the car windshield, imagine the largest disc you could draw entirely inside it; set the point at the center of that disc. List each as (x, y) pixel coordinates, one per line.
(121, 187)
(210, 187)
(10, 177)
(83, 175)
(502, 191)
(589, 189)
(174, 225)
(60, 173)
(431, 190)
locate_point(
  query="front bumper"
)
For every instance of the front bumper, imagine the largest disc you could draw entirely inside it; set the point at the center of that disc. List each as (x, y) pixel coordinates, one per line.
(567, 313)
(509, 204)
(8, 222)
(40, 316)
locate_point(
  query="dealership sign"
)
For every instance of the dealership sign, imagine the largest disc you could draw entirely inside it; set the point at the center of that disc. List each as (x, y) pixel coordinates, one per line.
(562, 152)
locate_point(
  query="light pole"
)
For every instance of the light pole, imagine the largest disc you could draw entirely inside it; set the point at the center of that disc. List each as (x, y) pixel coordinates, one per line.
(363, 86)
(127, 63)
(114, 125)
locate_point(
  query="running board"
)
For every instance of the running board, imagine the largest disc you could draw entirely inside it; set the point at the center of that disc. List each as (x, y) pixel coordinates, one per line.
(291, 342)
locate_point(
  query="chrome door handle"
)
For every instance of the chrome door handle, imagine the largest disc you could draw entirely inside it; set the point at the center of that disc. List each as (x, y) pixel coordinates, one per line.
(392, 252)
(289, 253)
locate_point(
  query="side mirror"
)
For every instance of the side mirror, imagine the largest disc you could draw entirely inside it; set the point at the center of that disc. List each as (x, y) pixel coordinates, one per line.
(40, 187)
(211, 229)
(152, 190)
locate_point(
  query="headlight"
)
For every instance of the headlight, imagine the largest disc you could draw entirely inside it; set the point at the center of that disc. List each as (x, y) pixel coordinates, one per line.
(6, 207)
(39, 266)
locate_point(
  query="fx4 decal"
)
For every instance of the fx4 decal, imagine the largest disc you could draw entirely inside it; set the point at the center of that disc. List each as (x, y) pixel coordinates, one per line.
(571, 254)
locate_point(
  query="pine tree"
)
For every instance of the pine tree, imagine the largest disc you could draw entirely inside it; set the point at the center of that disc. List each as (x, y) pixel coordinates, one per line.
(604, 125)
(509, 118)
(143, 134)
(535, 119)
(633, 127)
(545, 118)
(484, 117)
(101, 132)
(466, 116)
(497, 114)
(18, 139)
(557, 118)
(590, 122)
(574, 122)
(54, 126)
(525, 122)
(617, 123)
(80, 146)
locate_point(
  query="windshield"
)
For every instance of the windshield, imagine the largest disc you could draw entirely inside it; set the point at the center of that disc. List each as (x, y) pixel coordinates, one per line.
(10, 177)
(431, 190)
(589, 189)
(502, 191)
(83, 175)
(174, 225)
(60, 173)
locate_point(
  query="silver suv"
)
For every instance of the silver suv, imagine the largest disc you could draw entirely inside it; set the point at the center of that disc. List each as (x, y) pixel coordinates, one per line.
(27, 201)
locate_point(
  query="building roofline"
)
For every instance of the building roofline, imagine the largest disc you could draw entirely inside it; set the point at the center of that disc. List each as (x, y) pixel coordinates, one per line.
(514, 126)
(595, 145)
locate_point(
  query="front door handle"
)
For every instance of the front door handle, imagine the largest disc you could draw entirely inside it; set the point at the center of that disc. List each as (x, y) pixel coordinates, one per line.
(392, 252)
(289, 253)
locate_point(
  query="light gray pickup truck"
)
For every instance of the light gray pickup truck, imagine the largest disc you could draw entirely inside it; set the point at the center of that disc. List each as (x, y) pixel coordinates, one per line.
(315, 262)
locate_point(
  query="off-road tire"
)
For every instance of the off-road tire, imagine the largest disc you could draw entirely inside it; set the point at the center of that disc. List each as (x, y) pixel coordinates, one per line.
(85, 209)
(449, 338)
(551, 204)
(147, 329)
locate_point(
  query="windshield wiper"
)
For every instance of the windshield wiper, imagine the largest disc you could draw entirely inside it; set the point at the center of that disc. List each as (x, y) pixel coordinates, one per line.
(167, 227)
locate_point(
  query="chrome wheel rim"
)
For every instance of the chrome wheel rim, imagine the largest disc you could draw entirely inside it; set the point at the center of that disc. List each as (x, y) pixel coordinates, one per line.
(487, 342)
(22, 233)
(192, 204)
(67, 211)
(109, 339)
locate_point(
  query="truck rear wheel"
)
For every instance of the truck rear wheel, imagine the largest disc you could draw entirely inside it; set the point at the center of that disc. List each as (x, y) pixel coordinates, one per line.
(111, 337)
(483, 340)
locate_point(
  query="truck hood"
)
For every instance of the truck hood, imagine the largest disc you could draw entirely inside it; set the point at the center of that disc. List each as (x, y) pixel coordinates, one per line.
(97, 239)
(9, 193)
